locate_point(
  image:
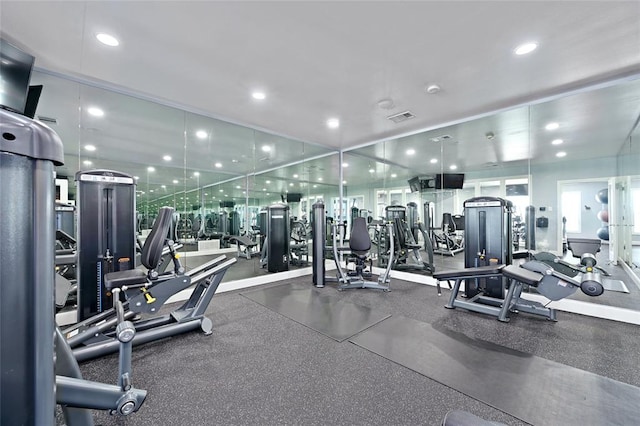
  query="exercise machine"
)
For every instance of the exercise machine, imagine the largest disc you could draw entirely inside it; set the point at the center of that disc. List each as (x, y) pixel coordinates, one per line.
(145, 292)
(276, 255)
(31, 385)
(450, 239)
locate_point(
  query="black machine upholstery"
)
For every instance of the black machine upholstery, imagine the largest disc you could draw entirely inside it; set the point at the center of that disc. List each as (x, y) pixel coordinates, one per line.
(359, 242)
(150, 257)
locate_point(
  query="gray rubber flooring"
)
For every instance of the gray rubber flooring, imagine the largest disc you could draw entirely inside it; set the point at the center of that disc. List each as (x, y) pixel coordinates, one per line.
(261, 368)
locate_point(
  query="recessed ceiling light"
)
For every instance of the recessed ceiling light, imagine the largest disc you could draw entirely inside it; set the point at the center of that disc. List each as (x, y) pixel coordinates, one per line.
(295, 176)
(453, 167)
(87, 163)
(175, 181)
(164, 186)
(196, 174)
(344, 182)
(411, 151)
(552, 126)
(345, 164)
(561, 154)
(218, 165)
(107, 39)
(258, 95)
(167, 158)
(315, 186)
(264, 189)
(291, 184)
(333, 123)
(201, 134)
(268, 193)
(434, 161)
(268, 181)
(90, 147)
(393, 175)
(371, 171)
(222, 190)
(556, 141)
(151, 190)
(238, 187)
(266, 148)
(151, 169)
(319, 179)
(96, 112)
(525, 48)
(432, 89)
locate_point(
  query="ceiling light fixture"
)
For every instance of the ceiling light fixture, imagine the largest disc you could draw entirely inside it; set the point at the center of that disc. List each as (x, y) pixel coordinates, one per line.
(167, 158)
(411, 151)
(87, 163)
(164, 186)
(525, 48)
(218, 165)
(393, 175)
(333, 123)
(266, 148)
(196, 174)
(386, 103)
(432, 89)
(552, 126)
(557, 142)
(268, 181)
(345, 164)
(344, 182)
(371, 171)
(222, 190)
(201, 134)
(433, 160)
(238, 187)
(453, 167)
(319, 179)
(107, 39)
(90, 148)
(561, 154)
(258, 95)
(315, 186)
(175, 181)
(151, 169)
(96, 112)
(295, 176)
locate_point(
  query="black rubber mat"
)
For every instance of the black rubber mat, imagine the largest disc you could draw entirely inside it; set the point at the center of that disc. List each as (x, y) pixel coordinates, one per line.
(533, 389)
(325, 313)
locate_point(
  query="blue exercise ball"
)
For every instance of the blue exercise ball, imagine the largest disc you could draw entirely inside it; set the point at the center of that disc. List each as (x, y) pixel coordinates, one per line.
(603, 216)
(603, 233)
(603, 196)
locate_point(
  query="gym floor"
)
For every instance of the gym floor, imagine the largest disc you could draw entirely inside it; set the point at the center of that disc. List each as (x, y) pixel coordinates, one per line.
(260, 367)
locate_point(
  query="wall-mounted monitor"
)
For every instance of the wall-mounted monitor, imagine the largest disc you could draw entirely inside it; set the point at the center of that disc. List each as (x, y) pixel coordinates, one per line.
(450, 181)
(293, 197)
(15, 73)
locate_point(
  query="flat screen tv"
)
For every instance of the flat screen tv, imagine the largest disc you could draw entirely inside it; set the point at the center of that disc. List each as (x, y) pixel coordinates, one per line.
(293, 197)
(15, 73)
(449, 181)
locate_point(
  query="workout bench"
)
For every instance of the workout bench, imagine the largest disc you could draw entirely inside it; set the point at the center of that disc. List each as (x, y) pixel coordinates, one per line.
(246, 246)
(548, 282)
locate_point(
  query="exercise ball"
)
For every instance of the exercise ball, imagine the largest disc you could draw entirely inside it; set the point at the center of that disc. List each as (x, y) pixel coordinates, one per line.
(603, 196)
(603, 233)
(603, 216)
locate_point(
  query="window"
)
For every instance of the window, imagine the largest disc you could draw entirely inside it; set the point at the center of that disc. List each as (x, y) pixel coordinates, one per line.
(572, 211)
(635, 202)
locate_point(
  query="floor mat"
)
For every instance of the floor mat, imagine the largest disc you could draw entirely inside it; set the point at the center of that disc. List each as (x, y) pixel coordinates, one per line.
(533, 389)
(325, 313)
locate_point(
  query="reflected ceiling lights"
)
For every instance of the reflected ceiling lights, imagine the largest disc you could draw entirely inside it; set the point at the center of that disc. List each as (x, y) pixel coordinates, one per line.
(393, 175)
(344, 182)
(218, 165)
(166, 158)
(434, 161)
(411, 151)
(196, 174)
(345, 164)
(371, 171)
(453, 167)
(151, 169)
(266, 148)
(96, 112)
(90, 148)
(525, 48)
(258, 95)
(561, 154)
(222, 190)
(163, 186)
(552, 126)
(87, 163)
(238, 187)
(175, 181)
(556, 141)
(319, 179)
(295, 176)
(201, 134)
(107, 39)
(333, 123)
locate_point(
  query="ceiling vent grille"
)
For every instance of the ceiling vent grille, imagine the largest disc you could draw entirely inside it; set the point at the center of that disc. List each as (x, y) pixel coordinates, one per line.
(48, 119)
(403, 116)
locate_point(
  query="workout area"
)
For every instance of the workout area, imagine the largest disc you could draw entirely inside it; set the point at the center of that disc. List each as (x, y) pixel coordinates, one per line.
(320, 213)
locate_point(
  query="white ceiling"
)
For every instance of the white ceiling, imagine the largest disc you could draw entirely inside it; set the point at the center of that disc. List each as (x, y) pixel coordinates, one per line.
(317, 60)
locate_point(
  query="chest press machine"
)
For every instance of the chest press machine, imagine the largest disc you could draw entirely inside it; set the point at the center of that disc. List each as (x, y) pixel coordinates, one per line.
(548, 282)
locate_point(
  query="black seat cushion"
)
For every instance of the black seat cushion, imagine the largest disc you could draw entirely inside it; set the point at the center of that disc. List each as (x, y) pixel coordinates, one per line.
(131, 277)
(359, 242)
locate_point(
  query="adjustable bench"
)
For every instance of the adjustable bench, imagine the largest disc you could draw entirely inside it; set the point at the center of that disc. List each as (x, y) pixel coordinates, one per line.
(246, 246)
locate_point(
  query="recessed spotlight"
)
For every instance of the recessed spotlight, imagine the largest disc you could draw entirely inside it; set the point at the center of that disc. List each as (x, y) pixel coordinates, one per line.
(295, 176)
(552, 126)
(556, 142)
(175, 181)
(258, 95)
(167, 158)
(433, 161)
(222, 190)
(96, 112)
(218, 165)
(344, 182)
(201, 134)
(561, 154)
(264, 189)
(393, 175)
(453, 167)
(411, 151)
(525, 48)
(151, 190)
(151, 169)
(164, 186)
(315, 186)
(196, 174)
(268, 181)
(107, 39)
(238, 187)
(432, 89)
(333, 123)
(319, 179)
(345, 164)
(90, 147)
(266, 148)
(371, 171)
(291, 184)
(87, 163)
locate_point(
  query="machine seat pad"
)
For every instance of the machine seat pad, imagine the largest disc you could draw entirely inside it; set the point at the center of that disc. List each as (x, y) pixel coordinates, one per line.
(468, 272)
(131, 277)
(522, 275)
(245, 241)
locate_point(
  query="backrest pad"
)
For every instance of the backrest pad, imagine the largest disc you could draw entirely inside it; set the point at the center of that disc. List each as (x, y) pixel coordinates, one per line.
(153, 245)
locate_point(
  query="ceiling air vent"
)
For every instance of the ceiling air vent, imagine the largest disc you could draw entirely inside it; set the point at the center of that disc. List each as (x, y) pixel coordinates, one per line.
(47, 119)
(403, 116)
